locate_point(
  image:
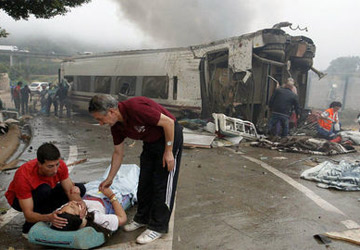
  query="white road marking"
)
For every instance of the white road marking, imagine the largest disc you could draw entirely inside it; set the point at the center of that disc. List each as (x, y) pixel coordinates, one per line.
(11, 213)
(73, 154)
(349, 224)
(310, 194)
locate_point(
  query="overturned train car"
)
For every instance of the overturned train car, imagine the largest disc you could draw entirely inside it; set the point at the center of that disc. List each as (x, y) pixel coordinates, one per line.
(234, 76)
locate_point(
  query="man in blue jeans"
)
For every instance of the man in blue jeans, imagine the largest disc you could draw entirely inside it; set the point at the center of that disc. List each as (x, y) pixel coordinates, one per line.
(282, 103)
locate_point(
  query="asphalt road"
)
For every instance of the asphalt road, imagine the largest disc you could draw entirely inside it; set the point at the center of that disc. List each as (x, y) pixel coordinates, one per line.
(249, 199)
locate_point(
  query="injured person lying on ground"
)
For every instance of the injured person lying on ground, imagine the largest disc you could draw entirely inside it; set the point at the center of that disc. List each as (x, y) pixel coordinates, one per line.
(105, 212)
(104, 215)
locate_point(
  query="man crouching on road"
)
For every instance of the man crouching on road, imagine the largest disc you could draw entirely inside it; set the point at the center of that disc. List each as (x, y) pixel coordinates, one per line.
(42, 185)
(141, 118)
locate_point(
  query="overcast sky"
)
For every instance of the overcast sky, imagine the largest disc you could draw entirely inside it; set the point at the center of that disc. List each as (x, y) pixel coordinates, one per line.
(138, 24)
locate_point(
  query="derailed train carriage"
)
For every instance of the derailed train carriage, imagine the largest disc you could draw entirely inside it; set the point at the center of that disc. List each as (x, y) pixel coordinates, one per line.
(234, 76)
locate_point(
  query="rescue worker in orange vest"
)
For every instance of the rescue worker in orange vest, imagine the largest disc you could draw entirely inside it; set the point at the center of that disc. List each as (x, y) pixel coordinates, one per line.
(329, 122)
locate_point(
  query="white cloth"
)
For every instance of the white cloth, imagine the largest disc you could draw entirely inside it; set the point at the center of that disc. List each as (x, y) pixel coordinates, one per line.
(125, 182)
(108, 221)
(342, 176)
(350, 135)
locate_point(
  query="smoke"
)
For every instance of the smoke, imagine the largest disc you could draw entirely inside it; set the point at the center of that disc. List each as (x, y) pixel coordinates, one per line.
(188, 22)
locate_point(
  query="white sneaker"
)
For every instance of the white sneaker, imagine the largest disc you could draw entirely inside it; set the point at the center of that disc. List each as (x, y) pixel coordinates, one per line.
(132, 226)
(148, 236)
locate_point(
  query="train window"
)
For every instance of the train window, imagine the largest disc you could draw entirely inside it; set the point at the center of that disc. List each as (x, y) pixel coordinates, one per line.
(155, 87)
(175, 87)
(102, 84)
(82, 84)
(125, 85)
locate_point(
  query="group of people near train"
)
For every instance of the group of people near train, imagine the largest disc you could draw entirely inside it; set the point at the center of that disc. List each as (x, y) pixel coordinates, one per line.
(49, 95)
(20, 95)
(285, 109)
(43, 190)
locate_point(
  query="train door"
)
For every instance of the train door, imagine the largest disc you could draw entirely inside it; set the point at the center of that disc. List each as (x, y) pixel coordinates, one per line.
(217, 89)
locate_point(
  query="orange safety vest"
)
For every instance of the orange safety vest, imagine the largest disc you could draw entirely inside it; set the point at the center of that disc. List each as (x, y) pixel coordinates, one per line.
(326, 124)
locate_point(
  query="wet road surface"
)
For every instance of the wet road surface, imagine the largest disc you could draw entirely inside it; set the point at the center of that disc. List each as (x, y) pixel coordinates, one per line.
(225, 199)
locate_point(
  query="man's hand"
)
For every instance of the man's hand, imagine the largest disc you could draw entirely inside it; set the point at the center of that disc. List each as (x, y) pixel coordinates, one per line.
(105, 184)
(168, 160)
(57, 221)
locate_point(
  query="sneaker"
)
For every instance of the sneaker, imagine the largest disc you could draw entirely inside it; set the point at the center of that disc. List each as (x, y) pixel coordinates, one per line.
(132, 226)
(148, 236)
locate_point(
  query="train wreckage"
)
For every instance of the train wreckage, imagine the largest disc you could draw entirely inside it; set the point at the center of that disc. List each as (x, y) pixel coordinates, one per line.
(234, 76)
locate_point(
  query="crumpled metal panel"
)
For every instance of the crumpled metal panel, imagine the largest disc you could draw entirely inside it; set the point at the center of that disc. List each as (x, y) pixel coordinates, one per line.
(240, 55)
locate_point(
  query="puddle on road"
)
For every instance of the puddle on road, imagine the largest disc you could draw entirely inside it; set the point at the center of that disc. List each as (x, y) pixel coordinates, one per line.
(62, 134)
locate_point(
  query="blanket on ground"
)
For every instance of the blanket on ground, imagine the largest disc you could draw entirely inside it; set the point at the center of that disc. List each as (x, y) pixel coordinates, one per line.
(343, 176)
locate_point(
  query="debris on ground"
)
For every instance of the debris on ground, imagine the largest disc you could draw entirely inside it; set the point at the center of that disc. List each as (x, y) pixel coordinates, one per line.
(193, 124)
(8, 166)
(353, 136)
(352, 235)
(3, 210)
(234, 127)
(77, 162)
(304, 145)
(343, 176)
(9, 142)
(280, 158)
(4, 128)
(194, 139)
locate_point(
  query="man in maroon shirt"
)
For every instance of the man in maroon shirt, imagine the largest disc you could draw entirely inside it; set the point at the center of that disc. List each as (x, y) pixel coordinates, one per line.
(42, 185)
(143, 119)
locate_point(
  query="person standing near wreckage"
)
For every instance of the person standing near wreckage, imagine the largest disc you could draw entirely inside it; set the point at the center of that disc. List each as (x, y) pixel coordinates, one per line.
(141, 118)
(282, 103)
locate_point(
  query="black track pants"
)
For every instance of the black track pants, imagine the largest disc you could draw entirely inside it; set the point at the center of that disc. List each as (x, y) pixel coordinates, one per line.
(157, 186)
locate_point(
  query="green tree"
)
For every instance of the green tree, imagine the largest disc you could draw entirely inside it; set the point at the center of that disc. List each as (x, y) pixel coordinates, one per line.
(3, 32)
(3, 68)
(344, 65)
(22, 9)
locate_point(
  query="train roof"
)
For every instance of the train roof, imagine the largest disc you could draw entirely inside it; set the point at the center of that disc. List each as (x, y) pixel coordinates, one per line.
(274, 31)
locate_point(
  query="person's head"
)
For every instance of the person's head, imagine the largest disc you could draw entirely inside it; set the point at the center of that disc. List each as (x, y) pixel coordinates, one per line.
(336, 105)
(72, 207)
(104, 108)
(290, 83)
(20, 83)
(48, 156)
(73, 222)
(71, 212)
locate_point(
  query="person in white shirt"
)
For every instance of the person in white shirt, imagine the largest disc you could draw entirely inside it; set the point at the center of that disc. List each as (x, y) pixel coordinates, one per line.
(96, 214)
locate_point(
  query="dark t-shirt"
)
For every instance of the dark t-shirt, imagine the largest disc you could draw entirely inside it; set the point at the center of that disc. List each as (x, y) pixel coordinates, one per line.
(27, 179)
(141, 116)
